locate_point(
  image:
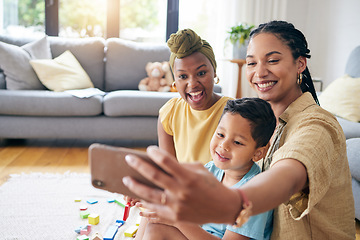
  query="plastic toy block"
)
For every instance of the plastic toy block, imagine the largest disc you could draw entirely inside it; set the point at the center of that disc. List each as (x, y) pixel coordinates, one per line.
(82, 237)
(126, 211)
(78, 230)
(84, 214)
(121, 202)
(111, 232)
(119, 223)
(111, 200)
(86, 230)
(83, 208)
(131, 231)
(77, 199)
(138, 220)
(97, 236)
(92, 201)
(94, 218)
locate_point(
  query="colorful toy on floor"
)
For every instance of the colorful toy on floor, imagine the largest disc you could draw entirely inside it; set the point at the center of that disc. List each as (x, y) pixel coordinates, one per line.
(82, 237)
(94, 218)
(119, 223)
(120, 202)
(131, 231)
(84, 214)
(86, 228)
(126, 211)
(92, 201)
(111, 232)
(97, 236)
(86, 231)
(83, 208)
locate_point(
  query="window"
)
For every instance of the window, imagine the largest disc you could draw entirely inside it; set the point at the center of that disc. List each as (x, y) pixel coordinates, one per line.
(82, 18)
(143, 20)
(22, 17)
(138, 20)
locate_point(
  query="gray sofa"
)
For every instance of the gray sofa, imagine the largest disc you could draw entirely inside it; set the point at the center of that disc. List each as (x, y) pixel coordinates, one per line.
(353, 153)
(352, 133)
(352, 68)
(115, 66)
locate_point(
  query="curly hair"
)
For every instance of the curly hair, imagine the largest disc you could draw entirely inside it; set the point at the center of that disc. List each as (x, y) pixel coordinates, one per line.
(297, 43)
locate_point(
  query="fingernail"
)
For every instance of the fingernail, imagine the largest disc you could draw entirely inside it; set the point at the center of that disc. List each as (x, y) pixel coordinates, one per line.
(130, 160)
(126, 181)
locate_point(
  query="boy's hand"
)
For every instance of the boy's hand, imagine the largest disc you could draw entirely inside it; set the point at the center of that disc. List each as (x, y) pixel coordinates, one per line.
(152, 217)
(130, 200)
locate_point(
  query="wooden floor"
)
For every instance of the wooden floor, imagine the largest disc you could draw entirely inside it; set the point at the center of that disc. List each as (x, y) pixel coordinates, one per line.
(55, 156)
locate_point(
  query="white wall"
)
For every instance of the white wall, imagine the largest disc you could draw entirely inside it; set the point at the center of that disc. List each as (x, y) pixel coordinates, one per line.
(1, 15)
(332, 29)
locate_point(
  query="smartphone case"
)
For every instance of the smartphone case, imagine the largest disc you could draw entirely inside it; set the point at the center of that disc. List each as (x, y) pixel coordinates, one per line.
(108, 167)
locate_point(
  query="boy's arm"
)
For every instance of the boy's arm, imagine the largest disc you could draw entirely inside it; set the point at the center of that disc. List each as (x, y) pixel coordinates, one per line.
(194, 232)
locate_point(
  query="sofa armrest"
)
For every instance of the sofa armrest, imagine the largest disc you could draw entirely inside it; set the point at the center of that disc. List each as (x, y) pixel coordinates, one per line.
(2, 80)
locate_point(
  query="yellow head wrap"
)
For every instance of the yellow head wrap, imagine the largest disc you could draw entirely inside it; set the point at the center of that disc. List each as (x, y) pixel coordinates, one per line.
(185, 42)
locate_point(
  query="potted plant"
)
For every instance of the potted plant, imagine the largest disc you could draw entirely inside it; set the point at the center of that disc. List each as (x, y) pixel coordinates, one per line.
(238, 35)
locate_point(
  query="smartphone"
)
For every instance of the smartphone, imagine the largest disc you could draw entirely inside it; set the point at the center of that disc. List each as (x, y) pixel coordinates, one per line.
(108, 167)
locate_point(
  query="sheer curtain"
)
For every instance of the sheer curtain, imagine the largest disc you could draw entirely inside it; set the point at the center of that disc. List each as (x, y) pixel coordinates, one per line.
(229, 13)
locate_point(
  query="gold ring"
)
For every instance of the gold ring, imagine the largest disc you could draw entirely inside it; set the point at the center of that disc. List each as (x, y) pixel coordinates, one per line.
(163, 198)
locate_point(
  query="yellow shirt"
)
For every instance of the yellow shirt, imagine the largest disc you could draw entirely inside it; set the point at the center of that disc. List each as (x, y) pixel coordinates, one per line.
(311, 135)
(191, 129)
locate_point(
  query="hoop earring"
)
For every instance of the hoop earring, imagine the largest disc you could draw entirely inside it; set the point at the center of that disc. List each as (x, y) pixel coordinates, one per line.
(300, 77)
(217, 80)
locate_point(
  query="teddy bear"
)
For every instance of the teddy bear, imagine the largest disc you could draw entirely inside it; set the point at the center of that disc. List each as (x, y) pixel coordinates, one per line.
(159, 77)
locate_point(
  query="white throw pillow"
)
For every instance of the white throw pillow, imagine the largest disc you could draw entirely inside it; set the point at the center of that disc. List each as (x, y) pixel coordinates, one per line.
(14, 61)
(341, 98)
(62, 73)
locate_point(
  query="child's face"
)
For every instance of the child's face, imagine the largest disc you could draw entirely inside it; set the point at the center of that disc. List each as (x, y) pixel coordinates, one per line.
(194, 79)
(232, 146)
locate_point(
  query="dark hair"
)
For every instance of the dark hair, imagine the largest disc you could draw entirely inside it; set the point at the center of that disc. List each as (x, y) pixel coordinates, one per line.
(297, 43)
(260, 115)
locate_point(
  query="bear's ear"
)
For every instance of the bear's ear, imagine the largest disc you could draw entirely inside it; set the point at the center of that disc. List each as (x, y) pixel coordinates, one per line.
(148, 65)
(165, 67)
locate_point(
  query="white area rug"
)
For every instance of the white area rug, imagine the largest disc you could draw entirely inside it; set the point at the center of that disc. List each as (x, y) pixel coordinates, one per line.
(42, 206)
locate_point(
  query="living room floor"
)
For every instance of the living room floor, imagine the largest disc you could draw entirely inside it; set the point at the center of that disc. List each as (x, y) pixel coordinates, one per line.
(55, 156)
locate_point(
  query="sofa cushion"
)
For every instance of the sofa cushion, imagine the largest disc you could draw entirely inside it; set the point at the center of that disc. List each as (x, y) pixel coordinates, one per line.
(353, 154)
(135, 103)
(356, 193)
(62, 73)
(352, 63)
(14, 61)
(341, 98)
(351, 129)
(47, 103)
(126, 61)
(88, 51)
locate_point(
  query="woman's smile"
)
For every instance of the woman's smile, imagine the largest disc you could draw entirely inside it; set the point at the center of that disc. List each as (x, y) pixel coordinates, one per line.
(196, 96)
(265, 86)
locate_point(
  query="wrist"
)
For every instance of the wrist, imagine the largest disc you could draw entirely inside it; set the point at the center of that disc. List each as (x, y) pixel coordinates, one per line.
(238, 203)
(245, 211)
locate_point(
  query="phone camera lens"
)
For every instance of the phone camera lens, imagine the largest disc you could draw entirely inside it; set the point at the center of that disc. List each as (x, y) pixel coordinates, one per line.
(98, 183)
